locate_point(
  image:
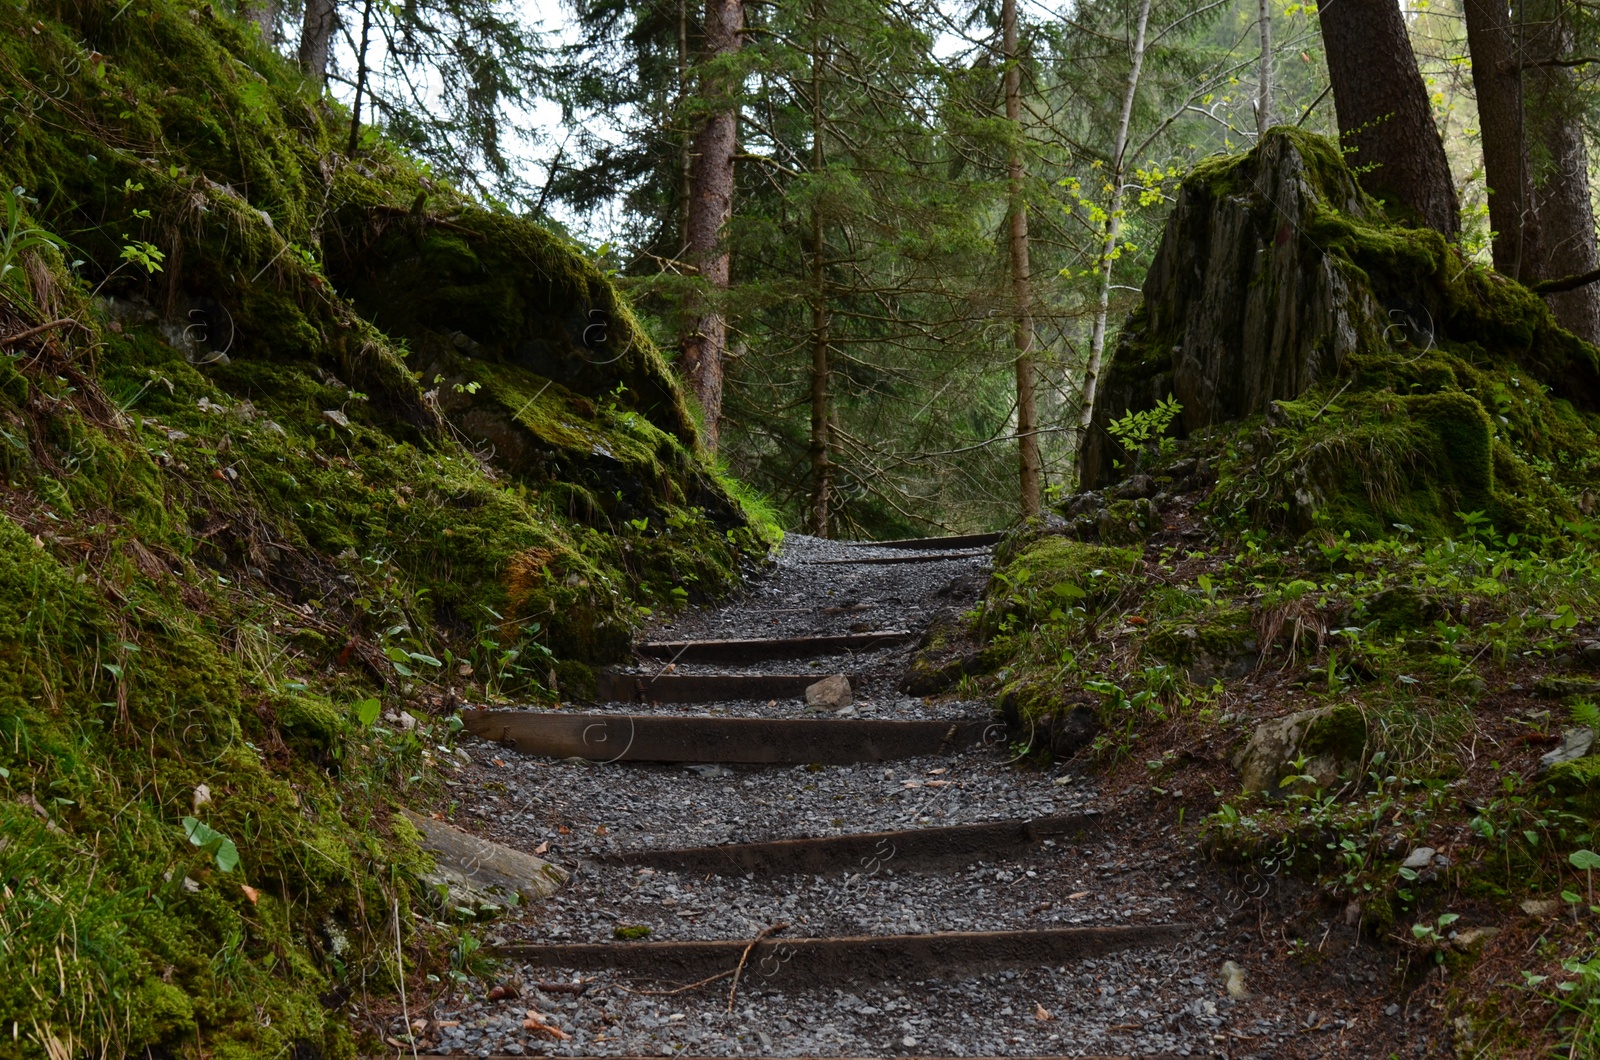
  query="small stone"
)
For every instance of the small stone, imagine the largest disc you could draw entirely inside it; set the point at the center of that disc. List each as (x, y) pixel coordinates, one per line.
(1591, 652)
(1419, 858)
(909, 1042)
(830, 693)
(336, 417)
(1541, 907)
(1392, 1010)
(1473, 938)
(1233, 981)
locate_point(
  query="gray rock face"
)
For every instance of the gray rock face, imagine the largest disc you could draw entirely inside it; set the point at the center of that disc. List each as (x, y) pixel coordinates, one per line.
(1271, 753)
(1241, 306)
(480, 877)
(1575, 744)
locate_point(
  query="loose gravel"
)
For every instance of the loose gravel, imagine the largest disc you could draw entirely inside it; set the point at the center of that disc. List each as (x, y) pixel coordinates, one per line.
(1157, 1001)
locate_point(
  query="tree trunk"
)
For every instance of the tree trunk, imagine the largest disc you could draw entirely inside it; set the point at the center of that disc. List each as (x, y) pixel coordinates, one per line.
(1030, 464)
(1264, 89)
(1097, 337)
(1384, 119)
(710, 208)
(1498, 85)
(821, 437)
(361, 78)
(316, 37)
(1561, 172)
(264, 14)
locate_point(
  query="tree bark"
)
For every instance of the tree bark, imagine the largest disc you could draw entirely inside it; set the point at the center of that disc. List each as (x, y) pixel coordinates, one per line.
(1097, 337)
(264, 14)
(1497, 82)
(819, 515)
(710, 208)
(1561, 173)
(361, 78)
(1384, 119)
(1030, 469)
(316, 37)
(1264, 89)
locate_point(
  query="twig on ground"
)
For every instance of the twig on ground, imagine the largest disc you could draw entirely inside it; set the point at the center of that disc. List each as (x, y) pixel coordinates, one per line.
(23, 336)
(770, 930)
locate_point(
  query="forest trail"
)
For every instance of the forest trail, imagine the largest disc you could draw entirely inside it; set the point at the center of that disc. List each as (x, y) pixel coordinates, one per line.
(1083, 927)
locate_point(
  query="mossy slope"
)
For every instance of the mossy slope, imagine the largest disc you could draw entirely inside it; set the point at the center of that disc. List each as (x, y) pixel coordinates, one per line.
(355, 437)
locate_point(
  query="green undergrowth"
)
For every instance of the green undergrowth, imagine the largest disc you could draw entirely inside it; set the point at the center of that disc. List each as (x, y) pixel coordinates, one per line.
(314, 450)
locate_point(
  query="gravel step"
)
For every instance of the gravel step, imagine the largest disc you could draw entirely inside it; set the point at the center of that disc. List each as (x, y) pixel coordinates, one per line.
(614, 687)
(929, 544)
(744, 741)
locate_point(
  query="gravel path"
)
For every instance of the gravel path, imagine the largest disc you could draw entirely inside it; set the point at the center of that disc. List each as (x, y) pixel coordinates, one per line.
(1167, 1000)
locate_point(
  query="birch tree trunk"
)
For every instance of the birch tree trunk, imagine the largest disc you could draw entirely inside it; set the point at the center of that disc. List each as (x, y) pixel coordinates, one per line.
(1264, 89)
(1031, 466)
(1497, 82)
(316, 37)
(705, 339)
(1097, 337)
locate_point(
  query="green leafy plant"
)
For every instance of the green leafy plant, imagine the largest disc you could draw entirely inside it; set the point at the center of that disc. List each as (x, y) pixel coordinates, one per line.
(18, 237)
(212, 842)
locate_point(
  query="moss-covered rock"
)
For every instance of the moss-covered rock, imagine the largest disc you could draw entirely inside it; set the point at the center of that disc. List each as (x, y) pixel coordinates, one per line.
(1051, 574)
(1214, 643)
(1353, 373)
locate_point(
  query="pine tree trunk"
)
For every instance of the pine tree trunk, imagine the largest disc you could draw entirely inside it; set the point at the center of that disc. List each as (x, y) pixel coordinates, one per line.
(1498, 85)
(1382, 104)
(1561, 182)
(264, 14)
(1031, 466)
(316, 37)
(1264, 89)
(1097, 337)
(361, 78)
(819, 515)
(710, 208)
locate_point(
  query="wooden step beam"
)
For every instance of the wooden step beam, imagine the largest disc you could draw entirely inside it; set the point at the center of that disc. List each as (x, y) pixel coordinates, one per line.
(735, 741)
(746, 650)
(910, 848)
(795, 963)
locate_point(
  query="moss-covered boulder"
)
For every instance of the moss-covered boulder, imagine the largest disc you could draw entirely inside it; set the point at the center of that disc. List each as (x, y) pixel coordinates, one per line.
(1350, 373)
(1037, 577)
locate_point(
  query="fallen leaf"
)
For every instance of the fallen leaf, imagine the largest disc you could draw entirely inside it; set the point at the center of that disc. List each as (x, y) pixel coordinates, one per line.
(563, 830)
(1041, 1013)
(1079, 894)
(1135, 620)
(542, 848)
(938, 783)
(250, 893)
(498, 761)
(913, 784)
(536, 1025)
(602, 830)
(202, 795)
(941, 771)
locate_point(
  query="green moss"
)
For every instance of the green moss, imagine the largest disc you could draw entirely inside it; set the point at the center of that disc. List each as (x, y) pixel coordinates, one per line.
(1223, 633)
(1041, 576)
(630, 932)
(1401, 610)
(1580, 778)
(1340, 734)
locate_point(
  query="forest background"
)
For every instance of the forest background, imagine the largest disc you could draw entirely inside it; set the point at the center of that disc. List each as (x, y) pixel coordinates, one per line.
(930, 218)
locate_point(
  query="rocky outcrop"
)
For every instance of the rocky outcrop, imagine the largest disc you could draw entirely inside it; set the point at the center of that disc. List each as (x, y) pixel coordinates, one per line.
(1242, 304)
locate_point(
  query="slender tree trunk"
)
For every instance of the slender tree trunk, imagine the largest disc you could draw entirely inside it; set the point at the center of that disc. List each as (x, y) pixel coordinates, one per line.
(1561, 174)
(1097, 337)
(710, 208)
(685, 150)
(316, 37)
(1264, 90)
(264, 14)
(821, 437)
(1031, 466)
(361, 78)
(1384, 118)
(1497, 82)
